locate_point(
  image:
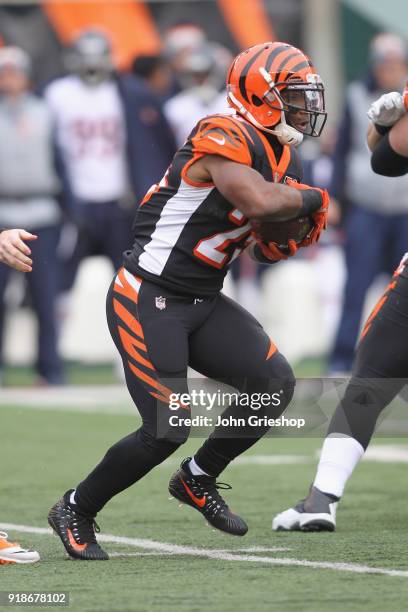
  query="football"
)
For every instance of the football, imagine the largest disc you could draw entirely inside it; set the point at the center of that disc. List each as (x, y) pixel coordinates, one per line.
(281, 232)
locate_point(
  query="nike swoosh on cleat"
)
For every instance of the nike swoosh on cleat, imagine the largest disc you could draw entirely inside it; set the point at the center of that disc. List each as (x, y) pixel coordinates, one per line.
(220, 141)
(22, 552)
(200, 502)
(74, 544)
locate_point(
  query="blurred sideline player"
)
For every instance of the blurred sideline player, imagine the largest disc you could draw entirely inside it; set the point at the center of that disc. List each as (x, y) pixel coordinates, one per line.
(202, 81)
(114, 141)
(380, 368)
(164, 308)
(16, 254)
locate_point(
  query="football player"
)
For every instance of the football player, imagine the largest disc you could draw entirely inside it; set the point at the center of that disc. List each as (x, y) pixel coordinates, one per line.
(380, 367)
(16, 254)
(113, 141)
(164, 308)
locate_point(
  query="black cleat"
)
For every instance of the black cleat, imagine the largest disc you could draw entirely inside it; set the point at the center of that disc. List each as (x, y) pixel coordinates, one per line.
(76, 531)
(315, 513)
(201, 493)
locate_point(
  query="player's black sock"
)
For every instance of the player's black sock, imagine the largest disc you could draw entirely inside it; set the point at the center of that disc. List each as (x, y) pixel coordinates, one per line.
(124, 464)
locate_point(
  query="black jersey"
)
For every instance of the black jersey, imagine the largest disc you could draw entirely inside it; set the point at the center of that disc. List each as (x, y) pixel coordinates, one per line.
(186, 234)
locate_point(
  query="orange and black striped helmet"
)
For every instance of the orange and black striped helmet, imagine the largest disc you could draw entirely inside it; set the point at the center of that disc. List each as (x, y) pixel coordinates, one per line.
(275, 84)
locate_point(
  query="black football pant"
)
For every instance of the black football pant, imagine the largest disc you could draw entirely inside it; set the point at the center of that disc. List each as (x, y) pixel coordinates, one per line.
(380, 368)
(158, 334)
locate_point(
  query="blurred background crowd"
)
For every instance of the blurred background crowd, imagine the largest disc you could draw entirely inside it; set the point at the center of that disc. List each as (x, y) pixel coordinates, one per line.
(95, 97)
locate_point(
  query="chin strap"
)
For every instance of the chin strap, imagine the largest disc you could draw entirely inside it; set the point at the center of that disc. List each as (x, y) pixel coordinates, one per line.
(287, 135)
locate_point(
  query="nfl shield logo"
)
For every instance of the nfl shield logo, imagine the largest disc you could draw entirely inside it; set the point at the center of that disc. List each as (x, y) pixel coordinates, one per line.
(161, 302)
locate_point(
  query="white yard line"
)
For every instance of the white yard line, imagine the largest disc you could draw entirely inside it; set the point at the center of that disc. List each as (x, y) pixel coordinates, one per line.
(220, 555)
(113, 555)
(109, 399)
(387, 453)
(251, 460)
(384, 453)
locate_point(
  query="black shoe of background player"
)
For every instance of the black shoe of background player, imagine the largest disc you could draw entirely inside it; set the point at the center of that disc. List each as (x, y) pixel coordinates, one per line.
(201, 493)
(77, 532)
(315, 513)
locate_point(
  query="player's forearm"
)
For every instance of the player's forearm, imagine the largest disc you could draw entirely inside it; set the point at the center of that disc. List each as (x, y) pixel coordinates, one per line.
(373, 137)
(280, 202)
(256, 198)
(273, 201)
(266, 201)
(399, 137)
(386, 161)
(277, 203)
(390, 154)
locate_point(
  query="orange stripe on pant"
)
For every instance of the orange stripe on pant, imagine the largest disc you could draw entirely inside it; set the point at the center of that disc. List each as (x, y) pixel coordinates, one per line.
(272, 350)
(123, 286)
(129, 343)
(130, 321)
(164, 391)
(377, 308)
(127, 284)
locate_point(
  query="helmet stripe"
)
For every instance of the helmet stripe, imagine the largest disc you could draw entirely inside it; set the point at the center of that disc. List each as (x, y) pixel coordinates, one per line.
(300, 66)
(244, 73)
(273, 54)
(283, 63)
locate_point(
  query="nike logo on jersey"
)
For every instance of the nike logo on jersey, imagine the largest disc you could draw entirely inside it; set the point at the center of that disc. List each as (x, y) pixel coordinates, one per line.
(220, 141)
(198, 301)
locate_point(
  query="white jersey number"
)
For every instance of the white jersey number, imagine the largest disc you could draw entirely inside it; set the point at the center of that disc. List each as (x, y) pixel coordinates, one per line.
(212, 249)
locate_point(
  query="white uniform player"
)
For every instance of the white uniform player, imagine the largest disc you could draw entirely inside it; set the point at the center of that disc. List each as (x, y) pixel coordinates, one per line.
(185, 109)
(91, 136)
(201, 78)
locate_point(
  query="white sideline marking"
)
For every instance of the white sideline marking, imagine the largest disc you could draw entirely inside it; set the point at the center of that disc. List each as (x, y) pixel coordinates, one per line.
(387, 453)
(251, 460)
(112, 555)
(109, 399)
(219, 555)
(270, 460)
(384, 453)
(255, 549)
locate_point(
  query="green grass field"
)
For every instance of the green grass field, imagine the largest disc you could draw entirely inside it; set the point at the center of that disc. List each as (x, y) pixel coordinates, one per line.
(44, 452)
